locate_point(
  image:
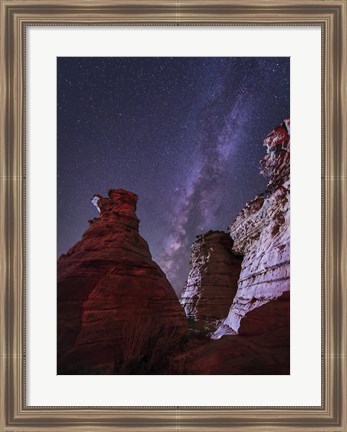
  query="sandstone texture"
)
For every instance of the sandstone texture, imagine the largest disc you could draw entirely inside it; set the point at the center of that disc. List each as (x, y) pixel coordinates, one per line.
(110, 291)
(212, 281)
(261, 233)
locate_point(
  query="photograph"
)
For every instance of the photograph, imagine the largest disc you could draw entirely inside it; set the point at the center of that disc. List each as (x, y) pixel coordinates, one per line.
(170, 262)
(173, 215)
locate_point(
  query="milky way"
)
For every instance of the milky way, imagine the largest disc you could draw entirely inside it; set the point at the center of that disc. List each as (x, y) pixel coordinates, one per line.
(185, 134)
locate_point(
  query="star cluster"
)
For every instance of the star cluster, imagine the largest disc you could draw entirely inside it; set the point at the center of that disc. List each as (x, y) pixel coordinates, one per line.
(185, 134)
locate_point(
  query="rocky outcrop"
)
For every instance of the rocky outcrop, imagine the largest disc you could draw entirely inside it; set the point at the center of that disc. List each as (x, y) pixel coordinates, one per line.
(109, 289)
(261, 233)
(212, 281)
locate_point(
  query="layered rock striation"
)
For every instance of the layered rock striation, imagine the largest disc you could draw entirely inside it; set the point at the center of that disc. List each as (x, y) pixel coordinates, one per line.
(261, 233)
(212, 281)
(109, 287)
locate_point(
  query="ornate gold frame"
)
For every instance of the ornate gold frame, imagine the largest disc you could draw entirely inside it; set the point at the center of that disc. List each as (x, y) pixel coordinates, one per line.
(331, 15)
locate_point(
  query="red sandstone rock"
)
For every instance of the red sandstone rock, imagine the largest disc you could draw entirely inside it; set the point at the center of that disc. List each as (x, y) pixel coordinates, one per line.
(212, 280)
(108, 285)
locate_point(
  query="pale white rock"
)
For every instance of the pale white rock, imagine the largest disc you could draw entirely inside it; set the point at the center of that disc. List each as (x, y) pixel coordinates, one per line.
(261, 233)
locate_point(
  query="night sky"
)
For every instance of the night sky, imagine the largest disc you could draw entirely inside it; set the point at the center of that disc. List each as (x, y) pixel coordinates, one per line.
(185, 134)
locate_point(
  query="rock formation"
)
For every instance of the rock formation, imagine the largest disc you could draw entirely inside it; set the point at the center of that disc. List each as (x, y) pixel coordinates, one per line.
(109, 287)
(212, 281)
(261, 233)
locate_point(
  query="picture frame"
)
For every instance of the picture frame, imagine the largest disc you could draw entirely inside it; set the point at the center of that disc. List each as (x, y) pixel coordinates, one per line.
(16, 16)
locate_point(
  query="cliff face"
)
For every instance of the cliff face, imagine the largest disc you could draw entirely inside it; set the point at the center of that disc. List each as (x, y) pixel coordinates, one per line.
(108, 286)
(261, 233)
(212, 280)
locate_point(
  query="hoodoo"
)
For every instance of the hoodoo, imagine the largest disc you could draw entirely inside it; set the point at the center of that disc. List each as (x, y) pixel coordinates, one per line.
(109, 285)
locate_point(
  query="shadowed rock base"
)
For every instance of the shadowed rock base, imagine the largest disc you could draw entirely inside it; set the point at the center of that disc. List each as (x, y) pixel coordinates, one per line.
(262, 346)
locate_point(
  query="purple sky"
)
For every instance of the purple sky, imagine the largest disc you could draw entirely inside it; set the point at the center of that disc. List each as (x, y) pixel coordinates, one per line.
(185, 134)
